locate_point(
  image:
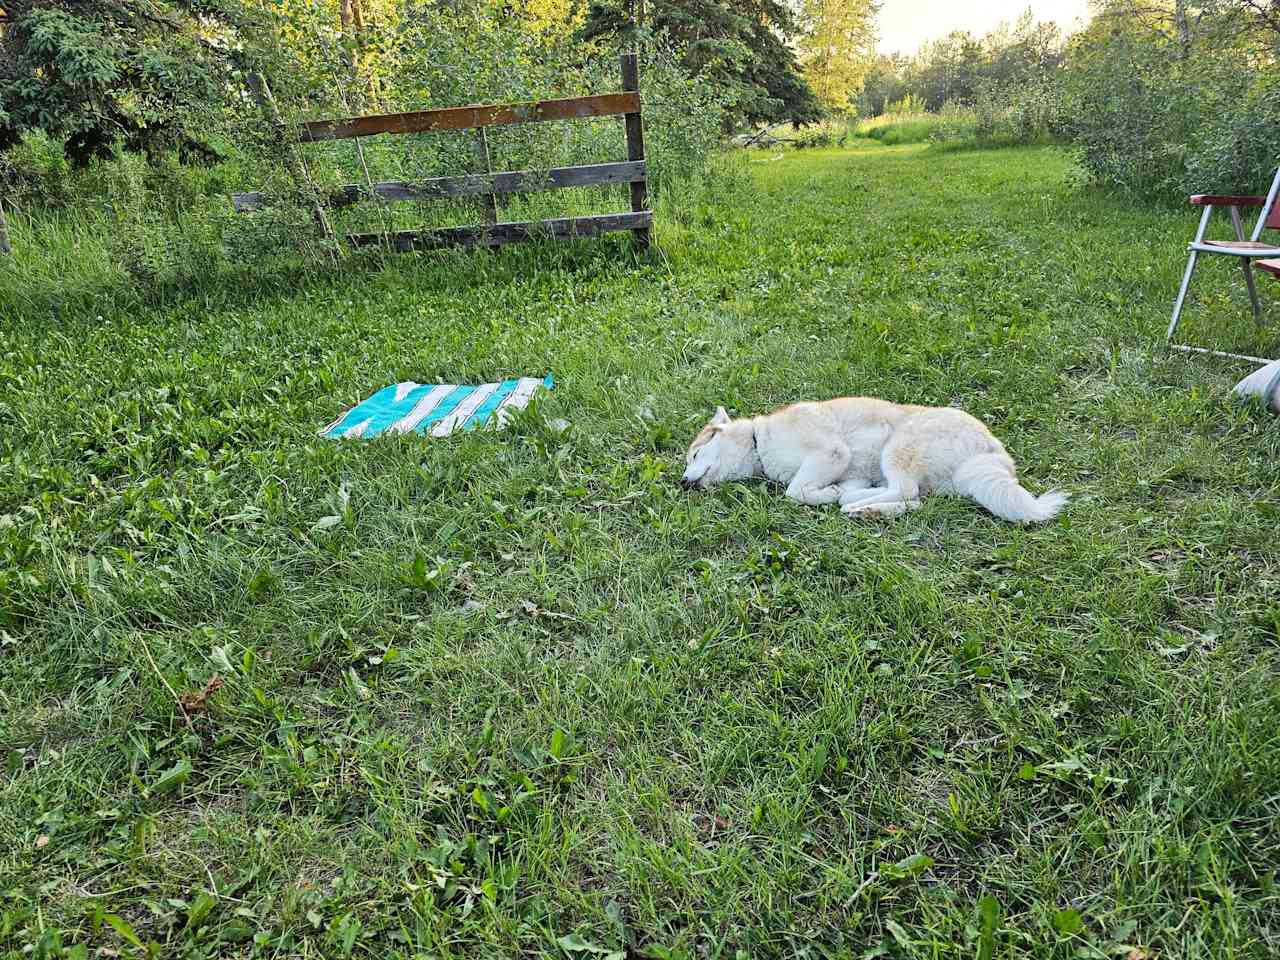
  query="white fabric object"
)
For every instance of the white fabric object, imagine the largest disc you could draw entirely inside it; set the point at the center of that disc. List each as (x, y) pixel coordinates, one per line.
(1263, 380)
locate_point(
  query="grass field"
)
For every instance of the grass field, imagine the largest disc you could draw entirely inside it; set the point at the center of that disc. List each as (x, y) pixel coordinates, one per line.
(896, 129)
(519, 694)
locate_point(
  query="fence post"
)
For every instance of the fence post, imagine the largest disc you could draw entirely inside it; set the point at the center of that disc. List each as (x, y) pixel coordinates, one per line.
(6, 249)
(635, 144)
(298, 170)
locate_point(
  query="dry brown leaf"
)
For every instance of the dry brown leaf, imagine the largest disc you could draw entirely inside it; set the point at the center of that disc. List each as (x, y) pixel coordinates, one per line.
(1138, 953)
(195, 702)
(41, 841)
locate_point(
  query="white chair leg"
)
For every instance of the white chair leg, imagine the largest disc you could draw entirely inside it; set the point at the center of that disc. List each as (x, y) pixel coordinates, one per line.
(1253, 289)
(1182, 296)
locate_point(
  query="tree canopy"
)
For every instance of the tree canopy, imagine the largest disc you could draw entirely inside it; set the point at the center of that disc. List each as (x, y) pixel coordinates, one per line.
(97, 72)
(741, 45)
(836, 48)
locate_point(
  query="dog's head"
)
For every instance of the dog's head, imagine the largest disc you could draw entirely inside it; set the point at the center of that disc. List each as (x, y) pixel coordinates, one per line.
(724, 450)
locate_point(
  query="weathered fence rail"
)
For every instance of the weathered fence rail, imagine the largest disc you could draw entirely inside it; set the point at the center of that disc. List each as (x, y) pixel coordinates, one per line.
(492, 233)
(470, 185)
(466, 118)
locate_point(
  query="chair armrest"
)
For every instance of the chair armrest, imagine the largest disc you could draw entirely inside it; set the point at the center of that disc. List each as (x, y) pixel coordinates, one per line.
(1219, 200)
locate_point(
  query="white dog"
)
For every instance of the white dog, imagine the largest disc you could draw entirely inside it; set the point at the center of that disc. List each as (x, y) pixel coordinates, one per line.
(1264, 384)
(870, 456)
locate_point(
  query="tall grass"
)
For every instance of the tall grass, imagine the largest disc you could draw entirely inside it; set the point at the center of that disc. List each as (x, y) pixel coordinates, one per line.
(998, 117)
(893, 129)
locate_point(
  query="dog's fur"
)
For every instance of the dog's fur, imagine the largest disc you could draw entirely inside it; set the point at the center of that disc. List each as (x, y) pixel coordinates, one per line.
(870, 456)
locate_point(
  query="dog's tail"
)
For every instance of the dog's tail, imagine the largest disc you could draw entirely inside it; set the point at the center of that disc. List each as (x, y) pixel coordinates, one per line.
(989, 479)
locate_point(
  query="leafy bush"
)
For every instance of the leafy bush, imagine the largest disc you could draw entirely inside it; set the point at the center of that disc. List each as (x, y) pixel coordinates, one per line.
(1002, 115)
(1239, 153)
(909, 105)
(36, 170)
(1160, 113)
(93, 73)
(832, 133)
(955, 122)
(684, 116)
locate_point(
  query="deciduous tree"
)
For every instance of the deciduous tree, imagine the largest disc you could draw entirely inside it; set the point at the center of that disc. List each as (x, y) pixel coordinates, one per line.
(837, 48)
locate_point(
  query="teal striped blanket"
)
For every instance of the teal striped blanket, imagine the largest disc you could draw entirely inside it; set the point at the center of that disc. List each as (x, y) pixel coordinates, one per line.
(436, 410)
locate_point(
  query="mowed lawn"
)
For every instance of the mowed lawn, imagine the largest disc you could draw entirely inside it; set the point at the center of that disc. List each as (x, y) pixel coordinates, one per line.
(519, 695)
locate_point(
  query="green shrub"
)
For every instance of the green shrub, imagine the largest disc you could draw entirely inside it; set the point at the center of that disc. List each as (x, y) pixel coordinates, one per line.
(830, 133)
(36, 171)
(908, 131)
(955, 121)
(1239, 152)
(909, 105)
(1002, 115)
(1160, 117)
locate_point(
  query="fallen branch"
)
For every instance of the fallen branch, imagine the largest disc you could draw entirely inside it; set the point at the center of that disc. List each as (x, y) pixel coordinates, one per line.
(761, 137)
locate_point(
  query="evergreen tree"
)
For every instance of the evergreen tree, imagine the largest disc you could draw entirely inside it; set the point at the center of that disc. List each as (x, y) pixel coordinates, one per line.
(742, 45)
(97, 72)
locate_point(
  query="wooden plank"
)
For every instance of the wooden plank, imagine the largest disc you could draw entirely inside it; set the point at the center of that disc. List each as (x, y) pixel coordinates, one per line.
(635, 140)
(500, 234)
(462, 118)
(470, 185)
(1218, 200)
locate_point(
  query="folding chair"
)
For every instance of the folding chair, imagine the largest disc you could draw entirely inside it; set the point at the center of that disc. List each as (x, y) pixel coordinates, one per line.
(1251, 253)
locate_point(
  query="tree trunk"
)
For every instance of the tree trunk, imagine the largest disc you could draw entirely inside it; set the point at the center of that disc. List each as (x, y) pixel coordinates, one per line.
(6, 249)
(364, 85)
(1183, 27)
(344, 18)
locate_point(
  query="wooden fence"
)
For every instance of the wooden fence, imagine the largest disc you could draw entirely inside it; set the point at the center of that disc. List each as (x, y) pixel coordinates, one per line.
(489, 185)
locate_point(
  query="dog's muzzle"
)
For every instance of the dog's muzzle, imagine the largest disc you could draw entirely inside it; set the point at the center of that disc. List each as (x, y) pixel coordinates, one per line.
(688, 484)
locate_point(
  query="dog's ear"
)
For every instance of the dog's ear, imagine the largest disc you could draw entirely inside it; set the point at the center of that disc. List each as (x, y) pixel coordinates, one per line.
(721, 417)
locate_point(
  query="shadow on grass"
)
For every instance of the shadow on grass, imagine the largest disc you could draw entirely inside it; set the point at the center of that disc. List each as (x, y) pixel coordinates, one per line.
(35, 292)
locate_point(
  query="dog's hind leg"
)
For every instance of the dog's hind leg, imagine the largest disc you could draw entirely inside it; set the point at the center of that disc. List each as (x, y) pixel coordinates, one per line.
(890, 501)
(901, 492)
(818, 479)
(852, 488)
(888, 508)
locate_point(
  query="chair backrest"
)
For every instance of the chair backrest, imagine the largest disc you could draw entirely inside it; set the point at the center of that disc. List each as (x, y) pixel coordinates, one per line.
(1270, 219)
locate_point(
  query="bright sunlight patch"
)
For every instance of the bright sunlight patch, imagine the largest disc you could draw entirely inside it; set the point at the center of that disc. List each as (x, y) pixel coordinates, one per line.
(436, 410)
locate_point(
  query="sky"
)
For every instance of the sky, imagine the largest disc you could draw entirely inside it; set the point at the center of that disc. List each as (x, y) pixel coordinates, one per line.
(906, 24)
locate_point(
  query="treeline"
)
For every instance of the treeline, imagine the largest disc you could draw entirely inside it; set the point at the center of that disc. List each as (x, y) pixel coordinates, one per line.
(125, 124)
(172, 75)
(960, 67)
(1160, 98)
